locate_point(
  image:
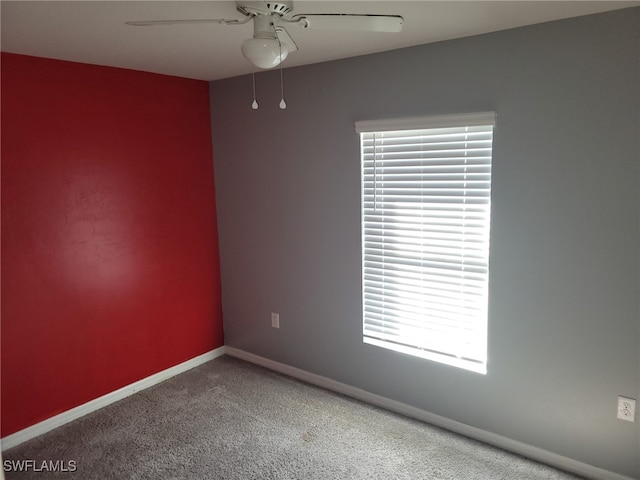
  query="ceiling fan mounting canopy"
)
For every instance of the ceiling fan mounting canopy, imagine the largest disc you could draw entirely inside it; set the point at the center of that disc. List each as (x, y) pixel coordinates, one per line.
(265, 8)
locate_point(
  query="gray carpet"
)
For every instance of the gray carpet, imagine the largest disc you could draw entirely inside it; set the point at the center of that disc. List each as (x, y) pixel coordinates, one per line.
(229, 419)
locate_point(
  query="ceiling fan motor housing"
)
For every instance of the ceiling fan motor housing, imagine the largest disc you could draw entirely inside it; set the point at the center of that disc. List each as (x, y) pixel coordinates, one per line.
(265, 8)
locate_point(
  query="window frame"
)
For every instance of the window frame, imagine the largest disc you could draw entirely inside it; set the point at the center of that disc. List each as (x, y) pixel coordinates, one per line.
(369, 127)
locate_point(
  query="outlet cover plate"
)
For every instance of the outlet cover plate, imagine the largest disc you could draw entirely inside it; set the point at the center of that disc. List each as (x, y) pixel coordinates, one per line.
(275, 320)
(626, 408)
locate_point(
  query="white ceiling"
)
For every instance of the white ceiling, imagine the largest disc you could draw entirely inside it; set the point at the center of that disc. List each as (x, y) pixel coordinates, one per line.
(95, 32)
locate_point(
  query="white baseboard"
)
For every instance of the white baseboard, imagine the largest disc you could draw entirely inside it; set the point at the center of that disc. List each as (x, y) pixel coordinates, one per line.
(65, 417)
(534, 453)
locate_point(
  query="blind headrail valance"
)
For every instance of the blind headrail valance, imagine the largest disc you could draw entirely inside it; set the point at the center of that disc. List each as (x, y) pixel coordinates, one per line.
(437, 121)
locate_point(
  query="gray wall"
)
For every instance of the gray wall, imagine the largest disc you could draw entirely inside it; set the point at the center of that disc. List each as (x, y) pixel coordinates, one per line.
(564, 325)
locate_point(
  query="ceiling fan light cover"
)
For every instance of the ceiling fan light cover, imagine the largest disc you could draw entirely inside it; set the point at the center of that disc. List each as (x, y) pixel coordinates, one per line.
(264, 52)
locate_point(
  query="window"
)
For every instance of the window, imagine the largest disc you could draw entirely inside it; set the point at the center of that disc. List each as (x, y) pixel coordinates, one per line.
(426, 205)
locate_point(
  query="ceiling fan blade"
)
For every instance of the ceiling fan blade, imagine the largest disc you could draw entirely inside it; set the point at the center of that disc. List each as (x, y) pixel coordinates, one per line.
(152, 23)
(346, 21)
(286, 39)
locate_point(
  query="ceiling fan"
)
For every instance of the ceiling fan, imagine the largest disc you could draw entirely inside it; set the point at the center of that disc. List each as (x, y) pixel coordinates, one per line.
(271, 43)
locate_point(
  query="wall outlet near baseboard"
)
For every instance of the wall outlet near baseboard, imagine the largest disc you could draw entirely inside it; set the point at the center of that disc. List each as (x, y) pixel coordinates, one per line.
(275, 320)
(626, 408)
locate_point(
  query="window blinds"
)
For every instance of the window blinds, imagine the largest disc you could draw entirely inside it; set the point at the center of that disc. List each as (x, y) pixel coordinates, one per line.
(426, 203)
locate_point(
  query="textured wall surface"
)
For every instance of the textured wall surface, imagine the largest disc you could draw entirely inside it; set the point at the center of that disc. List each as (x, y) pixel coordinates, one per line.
(564, 281)
(110, 268)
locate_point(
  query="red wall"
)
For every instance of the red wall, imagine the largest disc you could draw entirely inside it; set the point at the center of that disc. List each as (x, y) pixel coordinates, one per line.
(109, 245)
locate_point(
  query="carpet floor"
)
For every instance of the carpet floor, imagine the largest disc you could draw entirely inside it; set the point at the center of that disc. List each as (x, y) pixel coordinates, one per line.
(231, 420)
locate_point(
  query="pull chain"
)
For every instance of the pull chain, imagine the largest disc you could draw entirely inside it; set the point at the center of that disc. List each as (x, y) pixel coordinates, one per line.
(283, 104)
(254, 105)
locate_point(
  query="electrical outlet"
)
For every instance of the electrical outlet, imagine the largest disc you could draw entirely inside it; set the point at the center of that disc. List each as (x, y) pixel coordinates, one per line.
(275, 320)
(626, 408)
